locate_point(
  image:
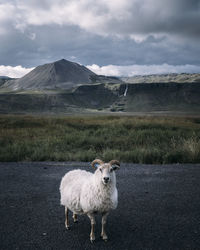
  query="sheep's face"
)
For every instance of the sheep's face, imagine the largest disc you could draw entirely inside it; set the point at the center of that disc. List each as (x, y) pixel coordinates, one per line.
(107, 173)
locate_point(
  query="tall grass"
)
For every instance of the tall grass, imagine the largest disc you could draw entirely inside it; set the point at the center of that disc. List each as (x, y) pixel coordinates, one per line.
(129, 139)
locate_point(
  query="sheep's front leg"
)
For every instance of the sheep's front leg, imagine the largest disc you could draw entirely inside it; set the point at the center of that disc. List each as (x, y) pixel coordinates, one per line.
(75, 218)
(67, 218)
(103, 222)
(93, 222)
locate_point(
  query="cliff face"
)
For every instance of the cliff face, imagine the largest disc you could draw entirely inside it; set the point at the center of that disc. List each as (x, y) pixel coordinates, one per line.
(128, 98)
(161, 96)
(84, 97)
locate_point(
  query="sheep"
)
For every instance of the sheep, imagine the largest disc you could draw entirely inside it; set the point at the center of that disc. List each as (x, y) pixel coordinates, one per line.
(85, 193)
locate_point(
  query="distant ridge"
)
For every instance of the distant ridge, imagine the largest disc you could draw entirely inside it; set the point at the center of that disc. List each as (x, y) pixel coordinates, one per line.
(61, 74)
(3, 79)
(161, 78)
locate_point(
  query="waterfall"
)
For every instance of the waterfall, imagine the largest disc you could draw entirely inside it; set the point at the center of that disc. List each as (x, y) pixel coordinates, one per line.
(125, 92)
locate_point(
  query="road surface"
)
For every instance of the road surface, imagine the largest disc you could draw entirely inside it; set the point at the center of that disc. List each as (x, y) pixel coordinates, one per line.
(159, 208)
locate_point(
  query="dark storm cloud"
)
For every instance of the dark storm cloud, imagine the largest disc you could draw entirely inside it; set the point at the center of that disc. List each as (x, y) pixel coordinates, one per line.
(180, 17)
(120, 32)
(52, 43)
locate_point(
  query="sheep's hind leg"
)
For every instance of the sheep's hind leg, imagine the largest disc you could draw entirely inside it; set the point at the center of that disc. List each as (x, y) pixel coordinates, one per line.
(67, 218)
(93, 222)
(75, 217)
(103, 222)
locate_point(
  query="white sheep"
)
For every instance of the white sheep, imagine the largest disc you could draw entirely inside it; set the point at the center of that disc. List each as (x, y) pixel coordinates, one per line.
(85, 193)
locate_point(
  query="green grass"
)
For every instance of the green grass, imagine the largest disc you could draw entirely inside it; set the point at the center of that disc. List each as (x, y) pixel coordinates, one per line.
(151, 140)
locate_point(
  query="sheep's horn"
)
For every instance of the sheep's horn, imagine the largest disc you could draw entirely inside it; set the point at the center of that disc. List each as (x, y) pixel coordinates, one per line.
(114, 162)
(97, 161)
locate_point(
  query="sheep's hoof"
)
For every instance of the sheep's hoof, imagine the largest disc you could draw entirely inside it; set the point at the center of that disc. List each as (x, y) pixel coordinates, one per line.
(67, 227)
(92, 239)
(75, 218)
(105, 238)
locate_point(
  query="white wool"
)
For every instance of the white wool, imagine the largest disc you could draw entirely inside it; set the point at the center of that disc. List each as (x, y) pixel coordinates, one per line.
(70, 189)
(84, 192)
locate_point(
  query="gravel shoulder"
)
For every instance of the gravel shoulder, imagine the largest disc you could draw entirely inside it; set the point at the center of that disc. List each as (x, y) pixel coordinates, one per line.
(159, 208)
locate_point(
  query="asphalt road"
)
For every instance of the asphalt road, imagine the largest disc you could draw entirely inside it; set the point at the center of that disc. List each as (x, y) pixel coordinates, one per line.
(159, 208)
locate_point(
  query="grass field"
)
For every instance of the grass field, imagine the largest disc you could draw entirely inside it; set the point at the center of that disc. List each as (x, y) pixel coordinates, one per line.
(128, 139)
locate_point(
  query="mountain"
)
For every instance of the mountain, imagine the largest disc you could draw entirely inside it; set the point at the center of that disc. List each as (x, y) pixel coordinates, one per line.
(61, 74)
(67, 87)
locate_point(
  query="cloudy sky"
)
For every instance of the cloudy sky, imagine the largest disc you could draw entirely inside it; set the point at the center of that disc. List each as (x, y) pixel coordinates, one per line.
(113, 37)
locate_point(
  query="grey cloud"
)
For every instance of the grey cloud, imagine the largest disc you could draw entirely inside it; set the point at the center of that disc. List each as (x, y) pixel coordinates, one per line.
(173, 17)
(170, 28)
(55, 42)
(38, 4)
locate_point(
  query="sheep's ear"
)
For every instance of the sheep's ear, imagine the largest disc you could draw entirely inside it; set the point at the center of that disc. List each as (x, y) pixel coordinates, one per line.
(115, 164)
(115, 167)
(96, 163)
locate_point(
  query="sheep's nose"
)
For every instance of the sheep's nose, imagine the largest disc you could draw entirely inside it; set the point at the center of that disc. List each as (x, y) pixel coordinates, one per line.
(106, 179)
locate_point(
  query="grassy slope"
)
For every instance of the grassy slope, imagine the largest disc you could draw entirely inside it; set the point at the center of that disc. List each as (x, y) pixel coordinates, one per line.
(166, 78)
(129, 139)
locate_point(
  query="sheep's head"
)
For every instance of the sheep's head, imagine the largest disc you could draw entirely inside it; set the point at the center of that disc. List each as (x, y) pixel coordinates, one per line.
(106, 170)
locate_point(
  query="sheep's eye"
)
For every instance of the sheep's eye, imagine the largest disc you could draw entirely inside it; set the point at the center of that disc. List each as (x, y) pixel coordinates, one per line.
(100, 169)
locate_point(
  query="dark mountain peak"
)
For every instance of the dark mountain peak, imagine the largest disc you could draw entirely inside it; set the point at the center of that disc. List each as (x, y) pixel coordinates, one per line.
(62, 61)
(59, 74)
(69, 68)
